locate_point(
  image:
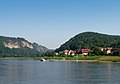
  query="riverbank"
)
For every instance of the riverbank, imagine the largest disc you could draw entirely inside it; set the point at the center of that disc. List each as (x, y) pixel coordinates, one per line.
(67, 59)
(78, 60)
(109, 59)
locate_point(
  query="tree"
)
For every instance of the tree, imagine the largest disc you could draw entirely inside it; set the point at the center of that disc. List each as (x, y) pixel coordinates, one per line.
(116, 53)
(97, 51)
(50, 54)
(89, 40)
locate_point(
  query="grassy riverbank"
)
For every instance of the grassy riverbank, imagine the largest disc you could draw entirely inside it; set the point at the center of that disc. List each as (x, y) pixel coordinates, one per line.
(98, 58)
(52, 58)
(110, 58)
(16, 58)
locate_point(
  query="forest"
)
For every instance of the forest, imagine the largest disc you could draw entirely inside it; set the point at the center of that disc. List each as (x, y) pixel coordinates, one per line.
(93, 41)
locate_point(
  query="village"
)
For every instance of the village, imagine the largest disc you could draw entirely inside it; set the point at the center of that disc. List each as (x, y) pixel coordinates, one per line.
(85, 51)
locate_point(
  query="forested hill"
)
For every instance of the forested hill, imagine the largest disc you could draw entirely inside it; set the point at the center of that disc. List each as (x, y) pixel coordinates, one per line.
(91, 40)
(10, 46)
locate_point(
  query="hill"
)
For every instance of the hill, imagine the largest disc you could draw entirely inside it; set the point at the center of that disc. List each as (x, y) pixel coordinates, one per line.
(91, 40)
(10, 46)
(40, 48)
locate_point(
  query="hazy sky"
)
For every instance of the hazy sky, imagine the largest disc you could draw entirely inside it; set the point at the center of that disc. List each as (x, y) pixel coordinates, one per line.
(53, 22)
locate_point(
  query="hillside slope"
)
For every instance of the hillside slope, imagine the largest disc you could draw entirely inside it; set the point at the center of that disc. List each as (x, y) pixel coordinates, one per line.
(90, 40)
(10, 46)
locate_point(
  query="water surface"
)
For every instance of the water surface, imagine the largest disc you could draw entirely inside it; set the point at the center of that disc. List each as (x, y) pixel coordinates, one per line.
(36, 72)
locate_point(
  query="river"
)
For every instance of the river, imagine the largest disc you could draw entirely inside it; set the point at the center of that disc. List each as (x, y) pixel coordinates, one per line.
(36, 72)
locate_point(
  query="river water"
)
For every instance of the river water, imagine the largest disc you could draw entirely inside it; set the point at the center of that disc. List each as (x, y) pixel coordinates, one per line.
(36, 72)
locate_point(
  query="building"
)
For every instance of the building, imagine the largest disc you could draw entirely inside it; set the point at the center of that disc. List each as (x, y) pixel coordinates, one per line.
(85, 52)
(66, 52)
(108, 50)
(69, 52)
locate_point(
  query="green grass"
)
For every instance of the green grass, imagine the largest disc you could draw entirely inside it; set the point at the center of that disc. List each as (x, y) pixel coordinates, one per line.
(15, 58)
(70, 58)
(99, 58)
(110, 58)
(31, 58)
(83, 58)
(49, 58)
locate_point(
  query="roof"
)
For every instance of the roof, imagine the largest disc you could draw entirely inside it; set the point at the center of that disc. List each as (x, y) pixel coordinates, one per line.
(85, 50)
(66, 51)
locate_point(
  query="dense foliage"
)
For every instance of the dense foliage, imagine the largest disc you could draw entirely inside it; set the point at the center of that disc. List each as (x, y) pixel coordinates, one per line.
(91, 40)
(22, 51)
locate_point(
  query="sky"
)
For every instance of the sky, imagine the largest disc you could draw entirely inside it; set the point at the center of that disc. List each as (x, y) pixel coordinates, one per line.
(53, 22)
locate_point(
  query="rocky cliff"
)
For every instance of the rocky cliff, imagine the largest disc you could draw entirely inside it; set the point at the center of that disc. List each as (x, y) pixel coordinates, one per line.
(10, 46)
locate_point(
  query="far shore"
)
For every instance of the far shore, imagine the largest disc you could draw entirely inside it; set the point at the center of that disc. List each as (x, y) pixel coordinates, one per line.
(69, 59)
(77, 60)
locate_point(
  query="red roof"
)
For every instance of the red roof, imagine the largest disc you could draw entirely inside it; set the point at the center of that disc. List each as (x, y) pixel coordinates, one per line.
(66, 51)
(85, 50)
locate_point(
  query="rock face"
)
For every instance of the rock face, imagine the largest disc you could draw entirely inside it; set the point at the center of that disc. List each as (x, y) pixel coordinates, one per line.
(11, 44)
(16, 43)
(26, 44)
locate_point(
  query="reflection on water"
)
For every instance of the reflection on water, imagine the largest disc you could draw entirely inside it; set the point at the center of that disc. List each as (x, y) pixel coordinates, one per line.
(36, 72)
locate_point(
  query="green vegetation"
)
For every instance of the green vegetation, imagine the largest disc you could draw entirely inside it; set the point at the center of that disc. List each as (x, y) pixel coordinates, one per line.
(69, 58)
(83, 58)
(116, 53)
(21, 52)
(16, 58)
(91, 40)
(98, 58)
(49, 58)
(23, 49)
(110, 58)
(52, 58)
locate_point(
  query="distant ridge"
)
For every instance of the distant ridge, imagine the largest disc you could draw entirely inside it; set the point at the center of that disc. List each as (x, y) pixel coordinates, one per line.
(90, 40)
(11, 46)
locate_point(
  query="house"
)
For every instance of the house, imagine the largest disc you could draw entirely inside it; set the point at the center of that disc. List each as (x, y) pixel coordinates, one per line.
(56, 53)
(66, 52)
(72, 52)
(69, 52)
(85, 52)
(108, 50)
